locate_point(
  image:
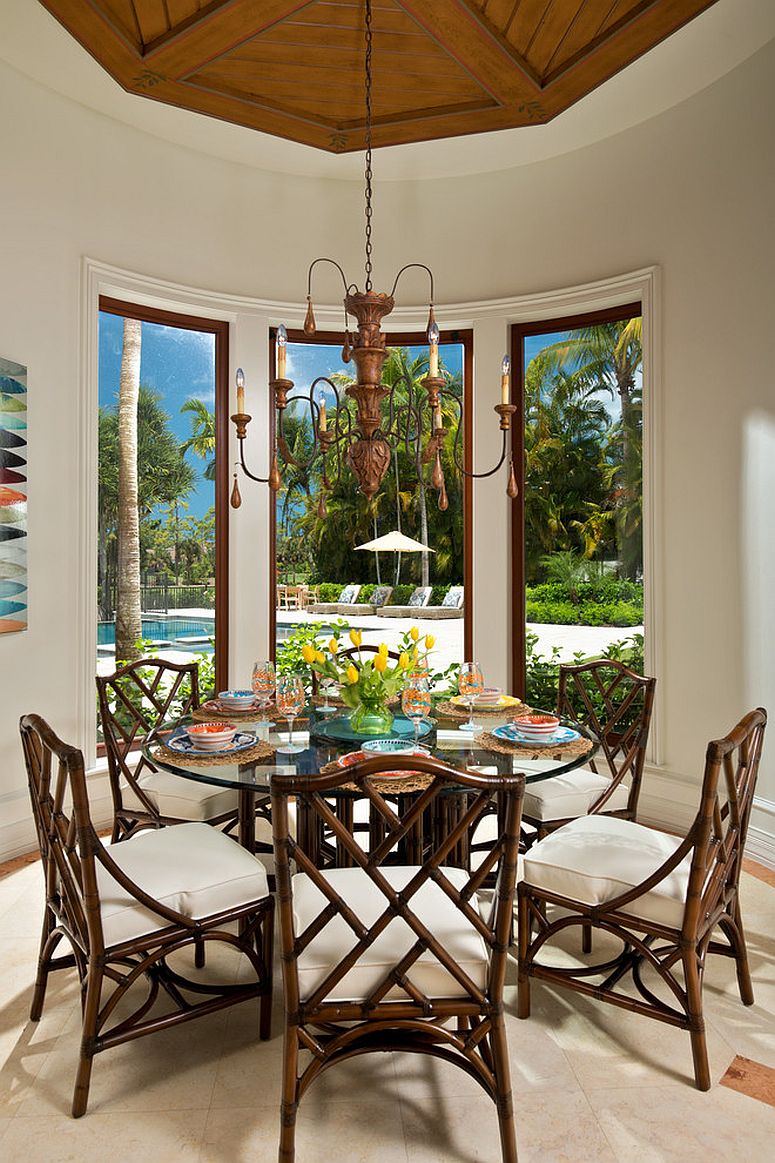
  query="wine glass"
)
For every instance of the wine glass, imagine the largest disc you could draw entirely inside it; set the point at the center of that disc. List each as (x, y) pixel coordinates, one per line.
(327, 686)
(263, 688)
(416, 702)
(290, 700)
(470, 683)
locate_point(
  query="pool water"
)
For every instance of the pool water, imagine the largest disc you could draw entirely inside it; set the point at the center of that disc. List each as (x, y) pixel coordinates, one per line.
(167, 629)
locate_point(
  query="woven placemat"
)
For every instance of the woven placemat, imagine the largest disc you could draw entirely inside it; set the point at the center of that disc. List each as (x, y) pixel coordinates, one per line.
(412, 781)
(260, 750)
(453, 712)
(239, 718)
(575, 747)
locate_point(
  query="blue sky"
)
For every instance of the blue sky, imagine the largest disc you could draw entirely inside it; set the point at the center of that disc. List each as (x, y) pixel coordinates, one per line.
(176, 362)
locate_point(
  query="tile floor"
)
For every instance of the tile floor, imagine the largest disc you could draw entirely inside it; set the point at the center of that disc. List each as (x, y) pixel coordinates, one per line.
(590, 1082)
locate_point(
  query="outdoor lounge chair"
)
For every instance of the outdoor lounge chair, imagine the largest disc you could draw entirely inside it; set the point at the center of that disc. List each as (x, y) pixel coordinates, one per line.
(417, 602)
(451, 607)
(344, 605)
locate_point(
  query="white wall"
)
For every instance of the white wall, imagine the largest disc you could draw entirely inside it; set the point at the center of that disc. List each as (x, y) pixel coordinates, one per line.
(691, 191)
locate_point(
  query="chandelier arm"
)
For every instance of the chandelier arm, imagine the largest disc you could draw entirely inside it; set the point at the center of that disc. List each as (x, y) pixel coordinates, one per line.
(477, 476)
(244, 467)
(408, 267)
(333, 263)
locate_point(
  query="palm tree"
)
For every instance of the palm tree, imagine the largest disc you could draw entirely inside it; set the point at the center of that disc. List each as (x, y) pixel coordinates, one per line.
(128, 614)
(608, 357)
(202, 439)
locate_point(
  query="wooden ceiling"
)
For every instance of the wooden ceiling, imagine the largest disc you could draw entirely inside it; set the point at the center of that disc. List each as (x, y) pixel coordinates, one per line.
(294, 68)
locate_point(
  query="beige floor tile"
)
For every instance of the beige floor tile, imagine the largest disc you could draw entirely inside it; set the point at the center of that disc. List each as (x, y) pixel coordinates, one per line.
(552, 1127)
(357, 1131)
(164, 1137)
(661, 1124)
(173, 1070)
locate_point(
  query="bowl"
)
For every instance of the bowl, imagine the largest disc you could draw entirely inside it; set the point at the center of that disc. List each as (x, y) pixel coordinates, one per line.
(489, 697)
(536, 726)
(210, 736)
(391, 747)
(237, 700)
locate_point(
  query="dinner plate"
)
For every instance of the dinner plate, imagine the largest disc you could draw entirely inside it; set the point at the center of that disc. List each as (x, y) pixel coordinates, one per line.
(359, 756)
(510, 733)
(217, 707)
(181, 743)
(503, 701)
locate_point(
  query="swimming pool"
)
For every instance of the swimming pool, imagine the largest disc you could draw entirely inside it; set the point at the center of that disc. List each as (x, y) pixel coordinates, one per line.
(192, 634)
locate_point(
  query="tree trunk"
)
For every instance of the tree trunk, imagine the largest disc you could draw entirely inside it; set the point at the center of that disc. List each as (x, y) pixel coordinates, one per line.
(398, 517)
(128, 618)
(423, 502)
(628, 546)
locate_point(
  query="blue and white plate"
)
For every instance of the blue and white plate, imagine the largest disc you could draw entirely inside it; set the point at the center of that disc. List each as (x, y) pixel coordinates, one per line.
(180, 742)
(390, 746)
(510, 733)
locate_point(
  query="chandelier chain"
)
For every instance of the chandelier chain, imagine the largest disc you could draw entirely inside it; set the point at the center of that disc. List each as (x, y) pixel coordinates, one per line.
(368, 174)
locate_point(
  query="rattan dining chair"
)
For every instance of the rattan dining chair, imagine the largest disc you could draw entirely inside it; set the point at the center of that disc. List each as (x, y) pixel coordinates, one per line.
(615, 703)
(124, 909)
(132, 701)
(660, 898)
(387, 956)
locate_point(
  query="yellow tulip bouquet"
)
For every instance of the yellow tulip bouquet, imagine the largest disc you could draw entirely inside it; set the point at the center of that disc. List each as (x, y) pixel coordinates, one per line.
(366, 687)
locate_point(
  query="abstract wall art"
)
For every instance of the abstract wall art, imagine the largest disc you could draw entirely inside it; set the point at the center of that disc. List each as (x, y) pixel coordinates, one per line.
(13, 496)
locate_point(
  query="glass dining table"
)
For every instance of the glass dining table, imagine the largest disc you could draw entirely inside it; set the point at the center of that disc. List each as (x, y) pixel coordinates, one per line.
(325, 738)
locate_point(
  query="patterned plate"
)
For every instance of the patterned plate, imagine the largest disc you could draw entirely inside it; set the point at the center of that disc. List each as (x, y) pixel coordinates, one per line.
(217, 708)
(510, 733)
(503, 701)
(358, 756)
(180, 742)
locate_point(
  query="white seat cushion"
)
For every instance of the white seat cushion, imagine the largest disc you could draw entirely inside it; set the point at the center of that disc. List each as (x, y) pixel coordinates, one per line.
(191, 868)
(564, 797)
(181, 799)
(596, 858)
(430, 904)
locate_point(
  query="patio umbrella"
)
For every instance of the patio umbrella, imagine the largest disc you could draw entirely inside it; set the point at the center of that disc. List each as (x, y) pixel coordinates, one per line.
(395, 542)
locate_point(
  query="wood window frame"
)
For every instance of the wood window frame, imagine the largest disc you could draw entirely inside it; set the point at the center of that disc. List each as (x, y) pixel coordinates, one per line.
(463, 336)
(220, 329)
(519, 332)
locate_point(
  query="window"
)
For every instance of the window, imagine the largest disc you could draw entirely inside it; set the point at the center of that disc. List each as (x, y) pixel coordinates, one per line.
(314, 559)
(578, 533)
(167, 584)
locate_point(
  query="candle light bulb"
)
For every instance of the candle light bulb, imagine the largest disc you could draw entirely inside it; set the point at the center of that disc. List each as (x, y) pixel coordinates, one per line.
(322, 419)
(433, 340)
(505, 370)
(282, 341)
(240, 378)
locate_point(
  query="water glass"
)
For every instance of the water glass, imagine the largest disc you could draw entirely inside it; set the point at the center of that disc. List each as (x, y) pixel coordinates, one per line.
(290, 701)
(416, 702)
(470, 683)
(263, 688)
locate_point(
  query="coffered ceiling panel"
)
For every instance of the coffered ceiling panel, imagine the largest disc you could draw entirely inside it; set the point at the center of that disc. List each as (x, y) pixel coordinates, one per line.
(441, 67)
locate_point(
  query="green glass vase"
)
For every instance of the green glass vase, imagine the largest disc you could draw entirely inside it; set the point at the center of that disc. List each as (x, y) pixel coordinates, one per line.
(371, 717)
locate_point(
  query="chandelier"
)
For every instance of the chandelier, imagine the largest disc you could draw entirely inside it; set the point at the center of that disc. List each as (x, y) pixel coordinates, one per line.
(386, 418)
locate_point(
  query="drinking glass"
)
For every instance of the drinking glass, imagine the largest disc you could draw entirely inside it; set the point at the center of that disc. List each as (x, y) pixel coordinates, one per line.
(416, 702)
(263, 688)
(290, 700)
(470, 683)
(327, 686)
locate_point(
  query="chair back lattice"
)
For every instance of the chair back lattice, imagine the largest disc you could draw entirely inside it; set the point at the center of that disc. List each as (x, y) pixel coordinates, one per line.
(67, 839)
(616, 704)
(132, 701)
(396, 994)
(352, 652)
(719, 831)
